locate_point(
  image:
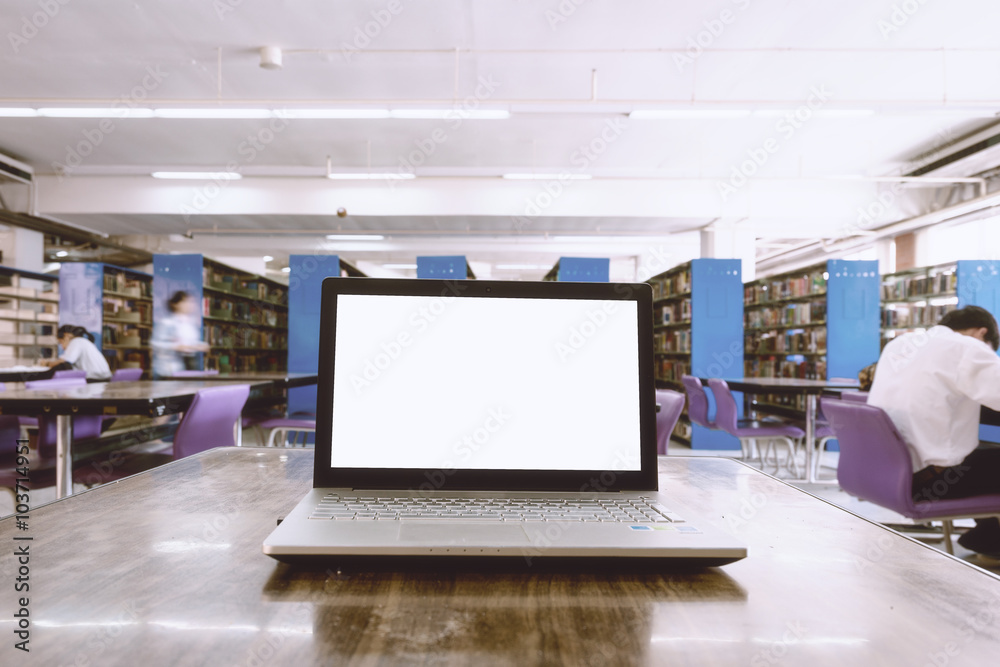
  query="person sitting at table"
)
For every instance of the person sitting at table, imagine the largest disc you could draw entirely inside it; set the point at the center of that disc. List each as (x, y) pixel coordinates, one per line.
(79, 353)
(931, 384)
(178, 338)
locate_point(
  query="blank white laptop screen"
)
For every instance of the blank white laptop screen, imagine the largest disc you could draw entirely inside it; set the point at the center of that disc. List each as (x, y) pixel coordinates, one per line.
(485, 383)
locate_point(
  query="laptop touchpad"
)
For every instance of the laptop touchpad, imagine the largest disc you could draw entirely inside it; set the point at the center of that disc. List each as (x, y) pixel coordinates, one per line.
(485, 534)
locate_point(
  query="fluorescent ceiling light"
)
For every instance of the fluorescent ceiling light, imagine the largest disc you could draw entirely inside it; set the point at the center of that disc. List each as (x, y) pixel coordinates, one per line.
(666, 114)
(213, 113)
(199, 175)
(286, 269)
(355, 237)
(522, 267)
(331, 113)
(17, 112)
(84, 112)
(370, 177)
(399, 266)
(62, 253)
(946, 301)
(439, 114)
(844, 113)
(547, 177)
(268, 258)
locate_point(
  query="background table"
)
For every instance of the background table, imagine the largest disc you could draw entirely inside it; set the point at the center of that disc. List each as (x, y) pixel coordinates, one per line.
(165, 568)
(12, 375)
(281, 378)
(811, 389)
(145, 397)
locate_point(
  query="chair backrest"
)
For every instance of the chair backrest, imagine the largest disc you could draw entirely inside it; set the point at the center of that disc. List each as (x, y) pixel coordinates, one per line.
(697, 401)
(83, 427)
(210, 419)
(671, 405)
(726, 411)
(875, 462)
(126, 375)
(856, 396)
(66, 375)
(10, 430)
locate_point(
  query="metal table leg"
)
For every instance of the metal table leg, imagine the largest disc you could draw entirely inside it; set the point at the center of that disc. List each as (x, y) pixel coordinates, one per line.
(64, 456)
(810, 436)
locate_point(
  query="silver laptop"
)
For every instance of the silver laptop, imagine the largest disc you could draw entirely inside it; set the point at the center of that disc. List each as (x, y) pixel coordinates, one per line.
(486, 418)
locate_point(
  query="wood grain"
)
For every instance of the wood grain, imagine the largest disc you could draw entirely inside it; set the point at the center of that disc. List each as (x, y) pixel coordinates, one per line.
(165, 568)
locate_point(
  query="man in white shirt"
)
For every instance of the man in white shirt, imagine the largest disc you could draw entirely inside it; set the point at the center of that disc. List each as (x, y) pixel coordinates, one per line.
(80, 353)
(932, 384)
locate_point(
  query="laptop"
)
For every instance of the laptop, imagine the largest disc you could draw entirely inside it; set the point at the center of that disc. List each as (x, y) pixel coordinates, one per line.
(461, 418)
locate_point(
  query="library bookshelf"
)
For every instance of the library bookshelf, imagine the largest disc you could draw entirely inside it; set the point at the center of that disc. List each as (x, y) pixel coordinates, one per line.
(819, 322)
(698, 329)
(114, 304)
(29, 314)
(243, 316)
(918, 298)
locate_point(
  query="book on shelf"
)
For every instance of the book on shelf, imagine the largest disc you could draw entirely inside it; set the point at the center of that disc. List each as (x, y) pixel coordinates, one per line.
(896, 288)
(678, 312)
(677, 341)
(786, 288)
(678, 283)
(809, 341)
(792, 313)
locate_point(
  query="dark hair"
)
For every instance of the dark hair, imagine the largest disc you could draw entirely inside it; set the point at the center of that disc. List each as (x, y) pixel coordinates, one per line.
(178, 296)
(75, 331)
(973, 317)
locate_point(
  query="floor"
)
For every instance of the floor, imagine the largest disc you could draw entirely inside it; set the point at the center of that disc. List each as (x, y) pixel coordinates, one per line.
(833, 494)
(829, 492)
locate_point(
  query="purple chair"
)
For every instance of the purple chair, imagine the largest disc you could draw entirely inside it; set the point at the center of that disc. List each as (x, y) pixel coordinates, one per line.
(69, 375)
(749, 432)
(875, 465)
(671, 405)
(209, 421)
(856, 396)
(697, 402)
(126, 375)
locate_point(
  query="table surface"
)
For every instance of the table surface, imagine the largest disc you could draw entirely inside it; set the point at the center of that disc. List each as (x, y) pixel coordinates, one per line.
(25, 373)
(141, 397)
(787, 385)
(282, 377)
(165, 568)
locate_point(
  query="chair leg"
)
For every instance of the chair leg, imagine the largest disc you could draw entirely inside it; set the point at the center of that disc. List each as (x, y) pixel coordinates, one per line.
(272, 436)
(792, 456)
(947, 537)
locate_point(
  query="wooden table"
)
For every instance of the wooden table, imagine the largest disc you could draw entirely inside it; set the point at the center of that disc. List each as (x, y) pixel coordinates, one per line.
(279, 378)
(165, 568)
(145, 397)
(26, 374)
(811, 389)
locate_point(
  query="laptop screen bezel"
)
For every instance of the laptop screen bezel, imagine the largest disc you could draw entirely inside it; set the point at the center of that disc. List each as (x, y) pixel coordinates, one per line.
(327, 476)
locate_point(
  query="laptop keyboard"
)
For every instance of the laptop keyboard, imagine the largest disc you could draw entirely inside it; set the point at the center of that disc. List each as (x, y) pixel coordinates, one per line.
(369, 508)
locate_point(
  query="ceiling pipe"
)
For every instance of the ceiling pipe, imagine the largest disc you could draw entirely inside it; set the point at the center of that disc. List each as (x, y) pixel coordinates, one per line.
(979, 204)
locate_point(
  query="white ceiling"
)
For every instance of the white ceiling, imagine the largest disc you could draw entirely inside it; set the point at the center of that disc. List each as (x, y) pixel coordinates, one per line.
(568, 71)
